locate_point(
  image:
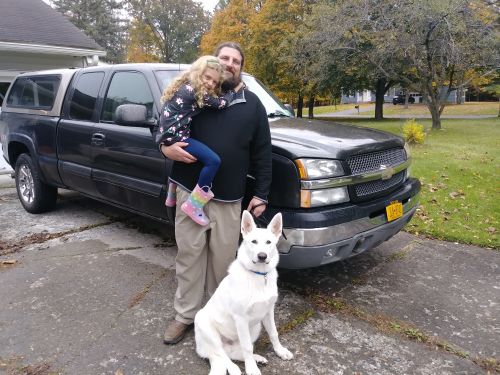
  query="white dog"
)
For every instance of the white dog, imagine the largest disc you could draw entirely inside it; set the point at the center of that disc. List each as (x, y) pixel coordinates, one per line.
(229, 324)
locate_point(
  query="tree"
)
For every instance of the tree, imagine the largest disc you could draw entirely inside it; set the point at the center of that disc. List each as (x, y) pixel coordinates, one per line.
(423, 44)
(442, 40)
(349, 42)
(270, 31)
(262, 27)
(230, 23)
(141, 43)
(100, 20)
(177, 26)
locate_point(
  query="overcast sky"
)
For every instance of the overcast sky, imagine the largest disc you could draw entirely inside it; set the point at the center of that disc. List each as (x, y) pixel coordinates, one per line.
(209, 4)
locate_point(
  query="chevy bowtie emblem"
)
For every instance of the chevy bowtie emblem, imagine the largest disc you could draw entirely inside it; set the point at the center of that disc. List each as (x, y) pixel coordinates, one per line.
(387, 172)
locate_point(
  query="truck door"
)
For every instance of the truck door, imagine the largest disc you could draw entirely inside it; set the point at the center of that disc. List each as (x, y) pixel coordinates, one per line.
(128, 169)
(74, 132)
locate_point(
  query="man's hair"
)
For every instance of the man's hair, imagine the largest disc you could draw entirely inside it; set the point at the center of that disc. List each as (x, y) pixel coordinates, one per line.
(232, 45)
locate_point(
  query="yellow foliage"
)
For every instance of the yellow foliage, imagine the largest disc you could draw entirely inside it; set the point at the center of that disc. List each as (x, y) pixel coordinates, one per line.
(141, 44)
(413, 132)
(229, 24)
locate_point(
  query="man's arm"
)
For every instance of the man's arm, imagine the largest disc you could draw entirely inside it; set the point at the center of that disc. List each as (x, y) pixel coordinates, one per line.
(261, 162)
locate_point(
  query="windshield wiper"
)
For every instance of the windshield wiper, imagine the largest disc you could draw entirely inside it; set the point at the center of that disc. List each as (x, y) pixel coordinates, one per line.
(277, 113)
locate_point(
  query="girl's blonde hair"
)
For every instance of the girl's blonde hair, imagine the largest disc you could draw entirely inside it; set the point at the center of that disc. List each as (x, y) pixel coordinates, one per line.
(193, 76)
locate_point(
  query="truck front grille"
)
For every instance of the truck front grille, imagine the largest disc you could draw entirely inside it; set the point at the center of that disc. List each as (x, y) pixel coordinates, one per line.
(377, 186)
(372, 162)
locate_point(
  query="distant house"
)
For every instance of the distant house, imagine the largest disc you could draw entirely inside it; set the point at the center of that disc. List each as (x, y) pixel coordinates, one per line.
(33, 36)
(368, 96)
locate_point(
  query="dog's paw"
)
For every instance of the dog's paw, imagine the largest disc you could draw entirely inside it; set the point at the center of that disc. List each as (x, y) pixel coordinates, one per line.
(260, 359)
(233, 369)
(251, 368)
(284, 353)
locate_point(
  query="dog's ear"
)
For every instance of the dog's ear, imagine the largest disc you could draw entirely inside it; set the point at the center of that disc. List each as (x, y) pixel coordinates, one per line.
(276, 225)
(247, 223)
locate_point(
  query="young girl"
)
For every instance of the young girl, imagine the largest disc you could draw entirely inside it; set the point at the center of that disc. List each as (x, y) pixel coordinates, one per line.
(184, 98)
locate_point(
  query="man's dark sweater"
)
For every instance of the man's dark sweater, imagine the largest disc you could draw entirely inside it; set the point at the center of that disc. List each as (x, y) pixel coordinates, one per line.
(240, 136)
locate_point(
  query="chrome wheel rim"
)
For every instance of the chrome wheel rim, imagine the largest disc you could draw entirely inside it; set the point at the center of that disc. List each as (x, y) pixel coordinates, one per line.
(26, 184)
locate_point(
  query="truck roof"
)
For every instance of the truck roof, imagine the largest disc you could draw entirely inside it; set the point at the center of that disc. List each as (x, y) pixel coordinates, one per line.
(135, 66)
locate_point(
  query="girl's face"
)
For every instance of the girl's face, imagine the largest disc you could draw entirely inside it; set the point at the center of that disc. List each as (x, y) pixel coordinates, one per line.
(210, 78)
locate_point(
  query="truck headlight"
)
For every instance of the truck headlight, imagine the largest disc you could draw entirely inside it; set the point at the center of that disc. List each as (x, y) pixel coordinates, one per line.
(318, 168)
(323, 197)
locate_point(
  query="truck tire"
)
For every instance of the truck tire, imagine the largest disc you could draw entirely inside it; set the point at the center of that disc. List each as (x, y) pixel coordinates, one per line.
(35, 196)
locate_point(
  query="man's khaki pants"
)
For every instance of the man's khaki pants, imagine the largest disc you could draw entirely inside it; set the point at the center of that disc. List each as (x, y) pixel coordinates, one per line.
(204, 253)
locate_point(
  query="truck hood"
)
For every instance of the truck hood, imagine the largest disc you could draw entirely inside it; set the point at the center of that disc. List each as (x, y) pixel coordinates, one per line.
(300, 138)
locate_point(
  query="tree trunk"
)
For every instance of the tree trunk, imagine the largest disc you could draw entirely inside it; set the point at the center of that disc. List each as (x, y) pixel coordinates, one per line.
(300, 105)
(407, 97)
(459, 93)
(436, 116)
(379, 98)
(311, 107)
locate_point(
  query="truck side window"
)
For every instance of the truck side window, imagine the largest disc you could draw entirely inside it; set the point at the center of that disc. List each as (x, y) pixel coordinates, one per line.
(37, 92)
(84, 97)
(127, 88)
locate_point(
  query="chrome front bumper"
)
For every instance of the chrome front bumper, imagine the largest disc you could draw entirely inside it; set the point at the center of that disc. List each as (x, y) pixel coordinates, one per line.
(304, 248)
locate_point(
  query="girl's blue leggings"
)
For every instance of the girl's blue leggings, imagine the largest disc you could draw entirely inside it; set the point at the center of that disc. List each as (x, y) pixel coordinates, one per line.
(207, 157)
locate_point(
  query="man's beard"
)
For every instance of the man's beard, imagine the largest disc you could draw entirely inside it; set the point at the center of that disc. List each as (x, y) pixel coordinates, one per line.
(230, 83)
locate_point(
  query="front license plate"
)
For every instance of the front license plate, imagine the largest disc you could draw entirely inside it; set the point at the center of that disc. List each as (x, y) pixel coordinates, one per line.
(394, 210)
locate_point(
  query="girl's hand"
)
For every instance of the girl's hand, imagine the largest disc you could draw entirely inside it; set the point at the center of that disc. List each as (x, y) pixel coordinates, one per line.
(176, 152)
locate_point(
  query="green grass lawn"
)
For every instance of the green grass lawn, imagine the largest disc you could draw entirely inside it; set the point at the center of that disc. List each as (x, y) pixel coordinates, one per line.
(331, 108)
(458, 167)
(469, 108)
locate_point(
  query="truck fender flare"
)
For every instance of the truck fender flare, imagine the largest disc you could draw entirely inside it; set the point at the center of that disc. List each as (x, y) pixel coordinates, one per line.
(26, 141)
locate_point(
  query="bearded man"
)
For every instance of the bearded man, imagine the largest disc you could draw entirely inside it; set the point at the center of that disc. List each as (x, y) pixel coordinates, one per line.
(240, 136)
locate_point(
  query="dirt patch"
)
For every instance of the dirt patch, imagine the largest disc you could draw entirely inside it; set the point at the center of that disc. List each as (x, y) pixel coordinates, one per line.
(8, 263)
(14, 366)
(36, 238)
(138, 297)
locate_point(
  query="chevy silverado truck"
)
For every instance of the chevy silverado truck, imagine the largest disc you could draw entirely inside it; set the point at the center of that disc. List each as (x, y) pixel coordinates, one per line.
(342, 189)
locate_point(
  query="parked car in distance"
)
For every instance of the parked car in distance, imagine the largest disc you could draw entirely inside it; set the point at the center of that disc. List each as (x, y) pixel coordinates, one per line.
(400, 99)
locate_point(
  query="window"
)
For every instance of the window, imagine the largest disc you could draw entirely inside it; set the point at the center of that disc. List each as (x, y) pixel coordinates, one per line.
(127, 88)
(3, 90)
(165, 77)
(84, 97)
(38, 92)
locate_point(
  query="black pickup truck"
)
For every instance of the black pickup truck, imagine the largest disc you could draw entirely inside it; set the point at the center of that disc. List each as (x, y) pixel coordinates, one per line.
(341, 189)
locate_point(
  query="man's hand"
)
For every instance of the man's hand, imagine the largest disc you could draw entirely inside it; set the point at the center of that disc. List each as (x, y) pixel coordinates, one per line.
(176, 152)
(256, 207)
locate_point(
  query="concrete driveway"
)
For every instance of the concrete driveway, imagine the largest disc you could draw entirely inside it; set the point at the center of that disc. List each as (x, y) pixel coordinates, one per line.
(88, 289)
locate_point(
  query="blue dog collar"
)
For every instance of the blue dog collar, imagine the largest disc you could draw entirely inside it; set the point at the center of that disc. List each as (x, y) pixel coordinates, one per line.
(259, 273)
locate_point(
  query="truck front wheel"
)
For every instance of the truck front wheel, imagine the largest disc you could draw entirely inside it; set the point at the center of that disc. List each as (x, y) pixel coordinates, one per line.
(35, 196)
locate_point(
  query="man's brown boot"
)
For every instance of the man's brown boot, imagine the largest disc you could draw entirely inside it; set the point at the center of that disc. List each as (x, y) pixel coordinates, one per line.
(175, 332)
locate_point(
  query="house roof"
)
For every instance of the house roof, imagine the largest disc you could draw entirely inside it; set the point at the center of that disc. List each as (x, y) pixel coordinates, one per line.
(34, 22)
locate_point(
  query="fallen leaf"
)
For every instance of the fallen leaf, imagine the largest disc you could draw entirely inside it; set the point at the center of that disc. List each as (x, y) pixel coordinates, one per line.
(119, 372)
(492, 230)
(12, 261)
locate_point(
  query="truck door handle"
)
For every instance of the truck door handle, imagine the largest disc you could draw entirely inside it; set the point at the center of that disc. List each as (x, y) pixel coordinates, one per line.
(98, 139)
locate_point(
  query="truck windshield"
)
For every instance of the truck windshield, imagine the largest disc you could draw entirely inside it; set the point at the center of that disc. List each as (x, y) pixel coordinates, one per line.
(274, 107)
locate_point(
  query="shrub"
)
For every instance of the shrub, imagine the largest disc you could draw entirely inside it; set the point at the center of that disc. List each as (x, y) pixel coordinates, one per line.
(413, 132)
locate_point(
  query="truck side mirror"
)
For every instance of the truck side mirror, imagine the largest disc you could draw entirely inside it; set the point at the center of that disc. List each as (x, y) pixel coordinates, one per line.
(289, 108)
(133, 115)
